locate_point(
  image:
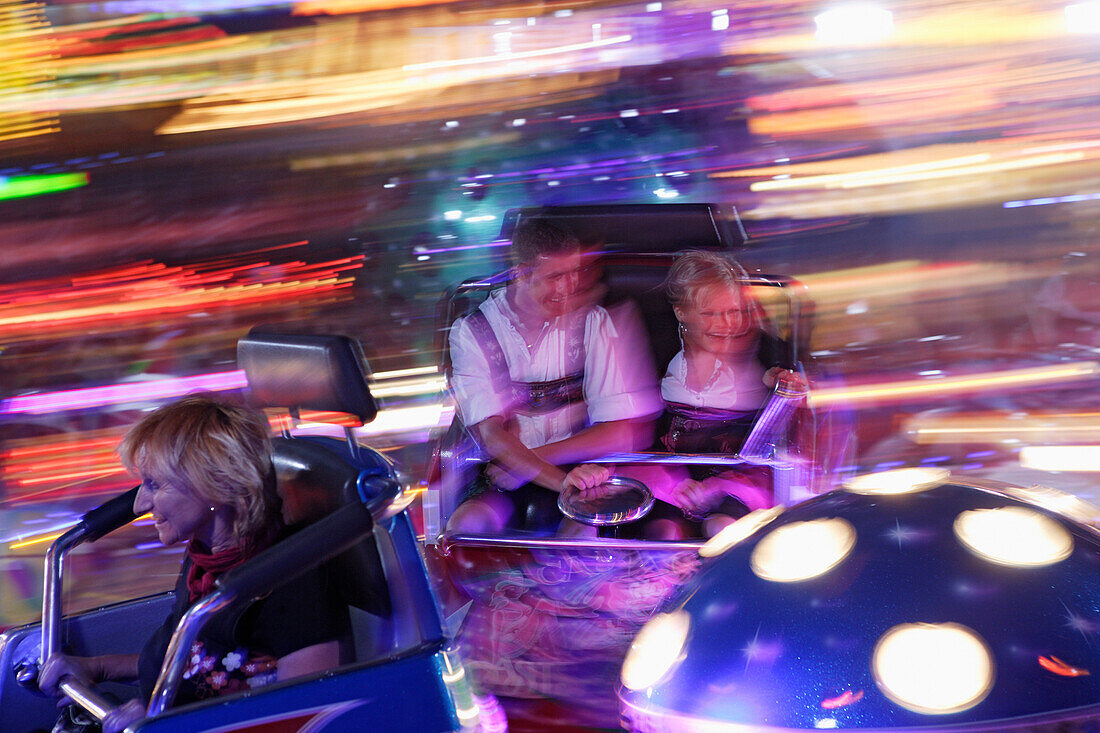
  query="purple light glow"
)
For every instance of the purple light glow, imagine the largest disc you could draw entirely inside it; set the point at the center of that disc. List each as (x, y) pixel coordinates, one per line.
(496, 243)
(1047, 200)
(116, 394)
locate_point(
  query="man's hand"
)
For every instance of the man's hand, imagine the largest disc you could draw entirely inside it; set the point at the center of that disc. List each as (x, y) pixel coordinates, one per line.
(586, 477)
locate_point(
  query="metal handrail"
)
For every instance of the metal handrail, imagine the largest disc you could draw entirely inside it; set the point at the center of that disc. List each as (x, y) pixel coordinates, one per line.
(565, 543)
(171, 671)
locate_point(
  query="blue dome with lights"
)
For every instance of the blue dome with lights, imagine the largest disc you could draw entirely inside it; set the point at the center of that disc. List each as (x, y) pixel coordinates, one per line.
(907, 600)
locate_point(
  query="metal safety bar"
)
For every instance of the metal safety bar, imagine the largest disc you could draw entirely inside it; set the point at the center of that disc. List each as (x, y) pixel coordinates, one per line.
(110, 515)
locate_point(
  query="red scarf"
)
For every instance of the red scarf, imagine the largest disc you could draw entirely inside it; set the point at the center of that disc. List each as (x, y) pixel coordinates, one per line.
(206, 568)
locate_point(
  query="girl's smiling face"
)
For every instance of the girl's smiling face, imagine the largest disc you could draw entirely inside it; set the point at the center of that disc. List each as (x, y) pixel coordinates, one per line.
(718, 321)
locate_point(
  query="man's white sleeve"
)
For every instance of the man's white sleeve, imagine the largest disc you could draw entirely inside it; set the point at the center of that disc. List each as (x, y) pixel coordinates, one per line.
(471, 378)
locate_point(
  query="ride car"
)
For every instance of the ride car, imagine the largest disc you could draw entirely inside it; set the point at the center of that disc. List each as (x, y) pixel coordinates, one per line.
(544, 621)
(351, 513)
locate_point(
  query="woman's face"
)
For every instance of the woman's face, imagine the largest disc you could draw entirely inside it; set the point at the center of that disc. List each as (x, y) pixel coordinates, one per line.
(718, 321)
(179, 512)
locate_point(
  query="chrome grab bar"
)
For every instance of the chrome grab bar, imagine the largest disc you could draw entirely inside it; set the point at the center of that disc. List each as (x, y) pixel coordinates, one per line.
(565, 543)
(171, 671)
(81, 693)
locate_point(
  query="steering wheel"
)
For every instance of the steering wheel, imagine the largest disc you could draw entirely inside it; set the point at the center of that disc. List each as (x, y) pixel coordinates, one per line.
(617, 501)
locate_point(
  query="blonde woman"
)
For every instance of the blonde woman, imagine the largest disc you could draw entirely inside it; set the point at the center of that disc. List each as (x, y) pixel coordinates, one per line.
(208, 481)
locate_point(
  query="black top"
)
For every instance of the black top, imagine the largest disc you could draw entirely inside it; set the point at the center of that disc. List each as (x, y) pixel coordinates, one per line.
(240, 646)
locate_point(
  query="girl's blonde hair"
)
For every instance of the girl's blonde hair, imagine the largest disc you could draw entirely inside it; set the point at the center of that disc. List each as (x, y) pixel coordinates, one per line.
(219, 451)
(695, 270)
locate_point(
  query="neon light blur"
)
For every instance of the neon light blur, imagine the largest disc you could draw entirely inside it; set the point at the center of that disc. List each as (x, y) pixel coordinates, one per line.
(18, 187)
(898, 391)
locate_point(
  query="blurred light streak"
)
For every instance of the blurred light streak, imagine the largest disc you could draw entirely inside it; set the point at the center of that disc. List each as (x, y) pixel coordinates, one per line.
(1046, 200)
(121, 7)
(150, 291)
(399, 154)
(395, 421)
(895, 281)
(1003, 428)
(410, 387)
(380, 93)
(946, 386)
(346, 7)
(506, 57)
(117, 394)
(36, 540)
(968, 166)
(154, 390)
(400, 373)
(1085, 458)
(25, 66)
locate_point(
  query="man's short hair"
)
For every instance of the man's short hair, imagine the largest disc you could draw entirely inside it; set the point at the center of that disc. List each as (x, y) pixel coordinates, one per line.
(536, 238)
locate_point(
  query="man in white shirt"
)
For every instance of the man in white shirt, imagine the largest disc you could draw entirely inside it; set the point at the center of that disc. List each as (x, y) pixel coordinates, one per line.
(544, 378)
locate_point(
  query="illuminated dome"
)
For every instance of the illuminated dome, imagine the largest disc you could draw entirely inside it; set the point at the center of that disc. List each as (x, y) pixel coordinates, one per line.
(947, 607)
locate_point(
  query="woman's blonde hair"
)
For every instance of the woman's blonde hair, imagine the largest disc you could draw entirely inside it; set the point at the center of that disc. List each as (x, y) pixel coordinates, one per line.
(218, 450)
(694, 270)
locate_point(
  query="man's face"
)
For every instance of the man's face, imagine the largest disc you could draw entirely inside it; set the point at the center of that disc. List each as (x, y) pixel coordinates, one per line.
(554, 285)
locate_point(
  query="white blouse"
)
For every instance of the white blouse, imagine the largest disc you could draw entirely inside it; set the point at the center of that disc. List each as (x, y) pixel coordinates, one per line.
(731, 386)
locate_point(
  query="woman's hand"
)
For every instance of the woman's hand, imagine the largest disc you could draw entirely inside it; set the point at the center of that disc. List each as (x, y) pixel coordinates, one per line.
(122, 716)
(63, 665)
(586, 477)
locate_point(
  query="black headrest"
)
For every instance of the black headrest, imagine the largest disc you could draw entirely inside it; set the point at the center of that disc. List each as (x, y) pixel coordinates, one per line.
(640, 227)
(307, 371)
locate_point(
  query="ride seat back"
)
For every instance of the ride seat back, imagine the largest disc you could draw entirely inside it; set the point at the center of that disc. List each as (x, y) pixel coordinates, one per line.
(317, 475)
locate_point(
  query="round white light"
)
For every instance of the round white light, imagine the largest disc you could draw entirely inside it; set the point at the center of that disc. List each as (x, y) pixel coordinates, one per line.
(733, 534)
(933, 669)
(900, 481)
(1013, 535)
(803, 550)
(656, 649)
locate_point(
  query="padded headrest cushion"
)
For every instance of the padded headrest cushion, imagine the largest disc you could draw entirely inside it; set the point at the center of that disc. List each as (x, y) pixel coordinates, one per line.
(310, 371)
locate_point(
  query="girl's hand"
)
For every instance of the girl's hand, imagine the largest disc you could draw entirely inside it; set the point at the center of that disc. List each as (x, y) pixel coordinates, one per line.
(697, 498)
(793, 379)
